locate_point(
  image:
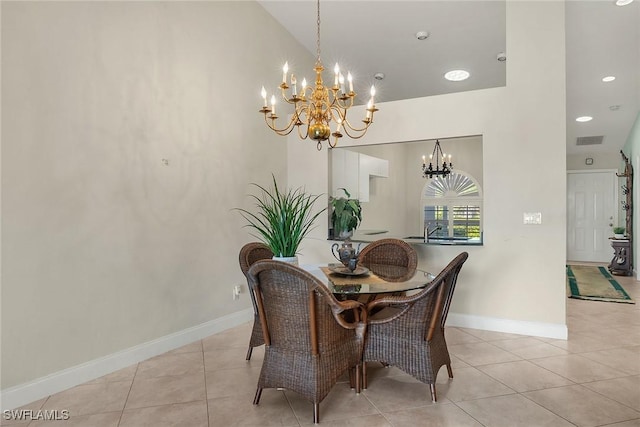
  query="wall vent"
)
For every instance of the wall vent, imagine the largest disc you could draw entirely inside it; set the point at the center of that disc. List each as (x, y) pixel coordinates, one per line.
(589, 140)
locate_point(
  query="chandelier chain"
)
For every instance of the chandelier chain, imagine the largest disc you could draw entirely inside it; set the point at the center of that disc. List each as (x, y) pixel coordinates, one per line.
(318, 34)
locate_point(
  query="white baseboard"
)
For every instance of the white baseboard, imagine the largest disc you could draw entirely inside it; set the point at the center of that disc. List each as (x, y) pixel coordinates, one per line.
(23, 394)
(536, 329)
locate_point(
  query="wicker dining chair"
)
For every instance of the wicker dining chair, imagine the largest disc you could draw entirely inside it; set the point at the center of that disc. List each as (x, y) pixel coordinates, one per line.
(249, 254)
(413, 338)
(389, 252)
(308, 343)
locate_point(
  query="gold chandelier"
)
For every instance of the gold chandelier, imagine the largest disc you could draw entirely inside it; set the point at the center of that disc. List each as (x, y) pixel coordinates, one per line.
(316, 107)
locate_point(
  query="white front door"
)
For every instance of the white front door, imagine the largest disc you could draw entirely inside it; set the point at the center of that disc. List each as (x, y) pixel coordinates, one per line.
(591, 215)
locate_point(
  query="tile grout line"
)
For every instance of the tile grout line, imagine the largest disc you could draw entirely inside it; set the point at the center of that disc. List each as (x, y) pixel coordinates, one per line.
(291, 407)
(610, 398)
(206, 391)
(128, 394)
(547, 409)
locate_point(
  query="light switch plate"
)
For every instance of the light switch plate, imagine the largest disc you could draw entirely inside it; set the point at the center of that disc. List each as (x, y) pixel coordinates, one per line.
(532, 218)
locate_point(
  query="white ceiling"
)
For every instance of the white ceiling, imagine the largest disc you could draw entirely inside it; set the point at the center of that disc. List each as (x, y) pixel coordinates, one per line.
(372, 36)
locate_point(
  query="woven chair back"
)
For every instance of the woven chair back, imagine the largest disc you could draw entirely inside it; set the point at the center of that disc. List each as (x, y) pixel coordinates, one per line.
(452, 270)
(389, 252)
(294, 308)
(440, 296)
(252, 252)
(249, 255)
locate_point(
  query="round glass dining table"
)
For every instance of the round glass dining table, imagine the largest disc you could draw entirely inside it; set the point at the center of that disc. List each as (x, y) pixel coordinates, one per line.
(370, 279)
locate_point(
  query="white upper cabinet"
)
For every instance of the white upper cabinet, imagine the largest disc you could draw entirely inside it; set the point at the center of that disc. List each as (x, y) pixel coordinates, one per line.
(353, 170)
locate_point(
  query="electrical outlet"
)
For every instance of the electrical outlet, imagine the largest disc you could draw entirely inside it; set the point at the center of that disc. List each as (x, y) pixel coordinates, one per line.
(236, 291)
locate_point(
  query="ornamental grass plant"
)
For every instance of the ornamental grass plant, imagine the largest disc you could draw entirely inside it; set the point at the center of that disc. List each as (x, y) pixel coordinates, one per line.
(283, 218)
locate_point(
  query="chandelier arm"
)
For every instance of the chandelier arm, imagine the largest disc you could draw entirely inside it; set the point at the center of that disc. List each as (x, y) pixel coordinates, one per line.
(348, 126)
(334, 113)
(292, 101)
(300, 112)
(340, 103)
(285, 130)
(306, 133)
(355, 136)
(331, 100)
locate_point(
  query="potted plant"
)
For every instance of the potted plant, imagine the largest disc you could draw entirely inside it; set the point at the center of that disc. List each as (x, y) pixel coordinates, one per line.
(346, 215)
(618, 232)
(283, 219)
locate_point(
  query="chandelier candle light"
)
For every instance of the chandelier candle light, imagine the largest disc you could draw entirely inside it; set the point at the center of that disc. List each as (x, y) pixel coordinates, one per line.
(429, 171)
(316, 107)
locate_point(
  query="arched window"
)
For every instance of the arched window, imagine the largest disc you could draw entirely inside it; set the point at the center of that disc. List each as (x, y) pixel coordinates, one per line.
(452, 208)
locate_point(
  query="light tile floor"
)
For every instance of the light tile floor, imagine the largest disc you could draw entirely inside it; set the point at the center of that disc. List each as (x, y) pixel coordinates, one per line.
(592, 379)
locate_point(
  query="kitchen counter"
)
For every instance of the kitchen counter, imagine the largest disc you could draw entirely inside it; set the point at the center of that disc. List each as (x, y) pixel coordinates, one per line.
(368, 236)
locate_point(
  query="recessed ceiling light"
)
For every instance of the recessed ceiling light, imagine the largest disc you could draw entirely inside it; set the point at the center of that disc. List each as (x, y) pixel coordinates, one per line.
(422, 35)
(501, 57)
(608, 79)
(378, 76)
(623, 2)
(457, 75)
(584, 119)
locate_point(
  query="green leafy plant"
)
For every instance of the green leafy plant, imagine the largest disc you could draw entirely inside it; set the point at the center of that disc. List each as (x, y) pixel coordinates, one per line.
(283, 219)
(346, 214)
(618, 230)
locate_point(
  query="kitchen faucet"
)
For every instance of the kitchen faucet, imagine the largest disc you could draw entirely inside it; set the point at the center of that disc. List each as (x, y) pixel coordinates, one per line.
(428, 233)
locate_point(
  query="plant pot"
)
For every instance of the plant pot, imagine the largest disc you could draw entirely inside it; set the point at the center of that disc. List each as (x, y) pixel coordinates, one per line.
(344, 235)
(288, 259)
(619, 236)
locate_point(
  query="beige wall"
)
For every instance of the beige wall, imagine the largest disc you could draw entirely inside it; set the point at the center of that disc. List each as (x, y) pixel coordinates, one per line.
(516, 281)
(105, 246)
(600, 161)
